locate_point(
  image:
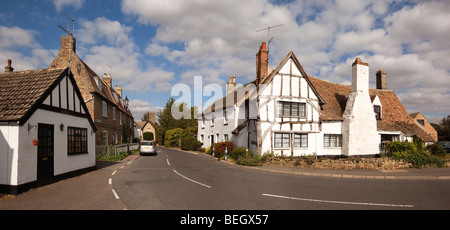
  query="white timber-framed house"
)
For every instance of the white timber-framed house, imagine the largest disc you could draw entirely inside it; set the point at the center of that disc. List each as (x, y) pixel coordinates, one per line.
(288, 112)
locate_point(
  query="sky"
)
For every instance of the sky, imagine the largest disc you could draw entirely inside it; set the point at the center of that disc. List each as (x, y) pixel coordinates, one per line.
(150, 46)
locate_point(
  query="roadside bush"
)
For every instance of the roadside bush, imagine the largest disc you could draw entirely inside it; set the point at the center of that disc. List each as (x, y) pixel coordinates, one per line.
(238, 152)
(249, 161)
(418, 159)
(397, 146)
(172, 137)
(436, 149)
(219, 149)
(190, 144)
(148, 136)
(412, 153)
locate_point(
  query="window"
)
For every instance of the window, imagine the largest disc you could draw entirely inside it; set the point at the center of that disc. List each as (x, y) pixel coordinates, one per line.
(225, 138)
(282, 140)
(114, 113)
(332, 140)
(105, 137)
(377, 110)
(291, 109)
(300, 140)
(104, 109)
(421, 121)
(225, 118)
(202, 138)
(76, 141)
(212, 121)
(120, 117)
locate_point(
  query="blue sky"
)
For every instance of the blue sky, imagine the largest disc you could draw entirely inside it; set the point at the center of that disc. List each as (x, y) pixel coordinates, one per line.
(148, 46)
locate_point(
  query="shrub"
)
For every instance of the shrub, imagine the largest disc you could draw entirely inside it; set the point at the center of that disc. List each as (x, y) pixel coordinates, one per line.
(148, 136)
(418, 158)
(436, 149)
(249, 161)
(219, 148)
(190, 144)
(397, 146)
(238, 152)
(172, 137)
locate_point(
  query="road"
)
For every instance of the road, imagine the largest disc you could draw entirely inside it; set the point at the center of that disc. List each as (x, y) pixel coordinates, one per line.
(180, 180)
(177, 180)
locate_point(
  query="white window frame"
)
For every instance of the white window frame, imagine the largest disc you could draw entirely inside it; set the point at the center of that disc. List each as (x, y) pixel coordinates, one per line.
(104, 109)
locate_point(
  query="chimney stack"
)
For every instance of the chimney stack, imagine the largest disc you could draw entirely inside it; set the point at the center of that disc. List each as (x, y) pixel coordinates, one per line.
(360, 76)
(107, 79)
(381, 79)
(262, 63)
(9, 68)
(231, 85)
(118, 90)
(68, 43)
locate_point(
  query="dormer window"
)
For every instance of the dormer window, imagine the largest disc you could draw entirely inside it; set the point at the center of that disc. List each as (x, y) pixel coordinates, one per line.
(377, 110)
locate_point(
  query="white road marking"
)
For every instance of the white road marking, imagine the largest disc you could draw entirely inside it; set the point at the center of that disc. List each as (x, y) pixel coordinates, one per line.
(187, 178)
(121, 167)
(129, 162)
(115, 194)
(340, 202)
(110, 181)
(168, 162)
(113, 173)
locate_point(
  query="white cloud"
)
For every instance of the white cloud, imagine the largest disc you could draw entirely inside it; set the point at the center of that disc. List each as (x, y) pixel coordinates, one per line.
(61, 4)
(33, 56)
(408, 40)
(139, 108)
(119, 56)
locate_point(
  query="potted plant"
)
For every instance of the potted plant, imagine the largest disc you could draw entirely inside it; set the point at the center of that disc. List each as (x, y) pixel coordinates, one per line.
(35, 142)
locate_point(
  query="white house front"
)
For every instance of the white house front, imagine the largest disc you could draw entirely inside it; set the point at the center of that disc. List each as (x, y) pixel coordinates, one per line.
(287, 112)
(46, 132)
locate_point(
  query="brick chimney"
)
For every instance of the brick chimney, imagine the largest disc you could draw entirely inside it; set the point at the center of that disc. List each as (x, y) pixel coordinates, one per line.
(381, 79)
(107, 79)
(9, 68)
(262, 63)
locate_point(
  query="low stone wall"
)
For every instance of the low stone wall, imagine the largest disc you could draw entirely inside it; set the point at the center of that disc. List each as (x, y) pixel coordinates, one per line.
(344, 163)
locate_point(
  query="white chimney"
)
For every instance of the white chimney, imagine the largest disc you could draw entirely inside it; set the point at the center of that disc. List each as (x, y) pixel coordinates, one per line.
(359, 129)
(360, 76)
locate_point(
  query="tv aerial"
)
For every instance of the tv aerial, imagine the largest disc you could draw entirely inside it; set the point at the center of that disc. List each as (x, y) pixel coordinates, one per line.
(268, 33)
(269, 28)
(70, 36)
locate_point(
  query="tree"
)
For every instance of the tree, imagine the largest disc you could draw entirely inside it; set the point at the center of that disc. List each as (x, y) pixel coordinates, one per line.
(443, 129)
(167, 122)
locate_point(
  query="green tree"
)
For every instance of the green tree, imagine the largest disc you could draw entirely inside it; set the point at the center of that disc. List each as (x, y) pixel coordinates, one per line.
(167, 122)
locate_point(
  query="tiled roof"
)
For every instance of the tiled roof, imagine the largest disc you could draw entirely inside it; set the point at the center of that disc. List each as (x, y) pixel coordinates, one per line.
(21, 90)
(394, 115)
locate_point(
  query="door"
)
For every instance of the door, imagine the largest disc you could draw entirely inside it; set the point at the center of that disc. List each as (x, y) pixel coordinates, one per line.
(45, 159)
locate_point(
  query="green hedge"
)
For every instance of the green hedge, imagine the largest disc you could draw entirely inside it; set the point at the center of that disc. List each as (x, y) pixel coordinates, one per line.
(190, 144)
(413, 154)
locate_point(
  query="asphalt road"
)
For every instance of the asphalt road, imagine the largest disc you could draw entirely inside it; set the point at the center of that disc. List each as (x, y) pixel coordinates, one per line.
(177, 180)
(180, 180)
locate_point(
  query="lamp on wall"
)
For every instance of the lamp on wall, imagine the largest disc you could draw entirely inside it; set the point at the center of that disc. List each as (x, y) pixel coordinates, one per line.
(61, 127)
